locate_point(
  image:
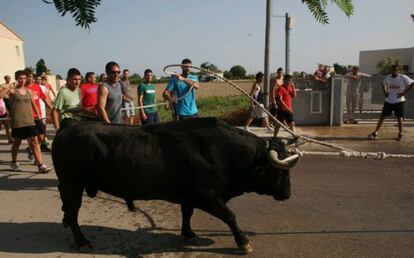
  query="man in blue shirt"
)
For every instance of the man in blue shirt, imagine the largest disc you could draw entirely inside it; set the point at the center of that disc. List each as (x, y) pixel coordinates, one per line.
(183, 86)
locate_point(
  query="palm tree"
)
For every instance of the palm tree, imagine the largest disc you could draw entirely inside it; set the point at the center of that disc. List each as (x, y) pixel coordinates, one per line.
(83, 11)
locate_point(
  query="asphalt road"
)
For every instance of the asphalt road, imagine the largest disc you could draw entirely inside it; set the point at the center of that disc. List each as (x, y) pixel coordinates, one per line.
(339, 208)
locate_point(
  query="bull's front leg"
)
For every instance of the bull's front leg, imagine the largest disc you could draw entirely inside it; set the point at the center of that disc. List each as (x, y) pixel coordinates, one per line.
(186, 231)
(72, 200)
(221, 211)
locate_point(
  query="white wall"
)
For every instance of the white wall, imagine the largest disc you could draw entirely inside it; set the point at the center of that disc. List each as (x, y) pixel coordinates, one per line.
(368, 60)
(11, 57)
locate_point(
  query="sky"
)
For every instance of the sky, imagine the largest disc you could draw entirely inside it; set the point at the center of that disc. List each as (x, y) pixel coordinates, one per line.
(141, 34)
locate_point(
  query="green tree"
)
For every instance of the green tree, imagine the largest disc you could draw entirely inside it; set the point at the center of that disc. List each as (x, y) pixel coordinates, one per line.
(210, 67)
(83, 11)
(385, 64)
(340, 69)
(238, 72)
(41, 67)
(227, 75)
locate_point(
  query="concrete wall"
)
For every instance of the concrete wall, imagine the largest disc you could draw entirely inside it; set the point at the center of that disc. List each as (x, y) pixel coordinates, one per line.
(312, 107)
(11, 56)
(368, 59)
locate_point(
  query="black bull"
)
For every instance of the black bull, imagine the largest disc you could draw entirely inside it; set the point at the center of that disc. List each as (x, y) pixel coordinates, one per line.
(197, 163)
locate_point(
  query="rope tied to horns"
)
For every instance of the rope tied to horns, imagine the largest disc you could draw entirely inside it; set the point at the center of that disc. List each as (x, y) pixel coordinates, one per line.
(301, 139)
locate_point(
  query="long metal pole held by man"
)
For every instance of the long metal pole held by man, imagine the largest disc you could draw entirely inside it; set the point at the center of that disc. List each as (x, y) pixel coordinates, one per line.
(267, 52)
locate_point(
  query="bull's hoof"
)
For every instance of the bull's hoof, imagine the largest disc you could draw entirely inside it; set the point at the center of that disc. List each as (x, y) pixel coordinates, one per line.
(247, 248)
(65, 222)
(85, 248)
(85, 245)
(191, 240)
(131, 205)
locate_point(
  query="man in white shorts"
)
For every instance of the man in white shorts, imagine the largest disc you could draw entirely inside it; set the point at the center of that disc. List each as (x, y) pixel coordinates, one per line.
(257, 109)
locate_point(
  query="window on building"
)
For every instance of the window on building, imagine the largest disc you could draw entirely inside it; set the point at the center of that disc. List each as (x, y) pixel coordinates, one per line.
(316, 102)
(17, 50)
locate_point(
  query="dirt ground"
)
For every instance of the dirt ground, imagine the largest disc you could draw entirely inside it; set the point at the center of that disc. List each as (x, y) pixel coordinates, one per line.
(207, 89)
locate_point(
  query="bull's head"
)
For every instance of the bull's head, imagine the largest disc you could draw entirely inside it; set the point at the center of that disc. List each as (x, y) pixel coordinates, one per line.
(281, 162)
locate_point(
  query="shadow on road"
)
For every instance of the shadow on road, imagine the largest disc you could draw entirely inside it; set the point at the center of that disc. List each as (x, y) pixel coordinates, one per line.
(8, 183)
(42, 237)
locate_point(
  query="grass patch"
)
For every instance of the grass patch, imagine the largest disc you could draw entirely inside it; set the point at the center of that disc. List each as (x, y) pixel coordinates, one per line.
(231, 108)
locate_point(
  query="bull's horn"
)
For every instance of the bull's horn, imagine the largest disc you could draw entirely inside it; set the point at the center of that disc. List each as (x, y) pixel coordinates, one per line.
(286, 163)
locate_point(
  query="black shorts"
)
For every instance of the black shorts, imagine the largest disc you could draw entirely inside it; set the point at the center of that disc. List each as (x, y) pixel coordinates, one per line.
(173, 107)
(40, 126)
(24, 132)
(183, 117)
(282, 115)
(152, 118)
(7, 102)
(398, 109)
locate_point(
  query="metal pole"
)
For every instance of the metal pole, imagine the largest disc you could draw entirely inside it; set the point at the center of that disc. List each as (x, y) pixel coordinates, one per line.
(267, 52)
(287, 44)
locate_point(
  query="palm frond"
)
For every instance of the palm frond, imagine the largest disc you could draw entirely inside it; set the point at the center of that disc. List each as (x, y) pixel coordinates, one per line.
(83, 11)
(318, 8)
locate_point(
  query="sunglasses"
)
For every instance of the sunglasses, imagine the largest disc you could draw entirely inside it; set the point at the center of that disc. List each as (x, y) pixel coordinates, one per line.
(115, 72)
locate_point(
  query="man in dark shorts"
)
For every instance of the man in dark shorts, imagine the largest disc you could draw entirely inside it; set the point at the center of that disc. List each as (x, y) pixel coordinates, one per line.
(284, 112)
(184, 87)
(146, 97)
(22, 123)
(395, 86)
(37, 95)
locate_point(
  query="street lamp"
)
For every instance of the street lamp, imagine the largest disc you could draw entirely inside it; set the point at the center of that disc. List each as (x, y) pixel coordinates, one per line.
(412, 16)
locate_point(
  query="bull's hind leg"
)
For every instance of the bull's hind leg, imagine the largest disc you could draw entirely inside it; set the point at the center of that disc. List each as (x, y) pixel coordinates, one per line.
(186, 231)
(221, 211)
(72, 201)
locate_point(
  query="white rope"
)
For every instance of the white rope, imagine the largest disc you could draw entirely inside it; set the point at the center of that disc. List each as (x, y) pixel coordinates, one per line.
(344, 151)
(165, 102)
(356, 154)
(239, 89)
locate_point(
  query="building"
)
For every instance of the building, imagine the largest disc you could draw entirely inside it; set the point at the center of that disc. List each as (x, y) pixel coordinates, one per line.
(11, 52)
(369, 59)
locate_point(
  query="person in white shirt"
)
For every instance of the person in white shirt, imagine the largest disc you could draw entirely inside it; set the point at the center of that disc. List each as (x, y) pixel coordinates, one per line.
(353, 89)
(395, 87)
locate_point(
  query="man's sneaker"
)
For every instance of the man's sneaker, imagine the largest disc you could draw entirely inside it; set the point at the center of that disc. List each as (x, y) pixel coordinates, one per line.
(15, 166)
(270, 130)
(44, 169)
(247, 128)
(44, 148)
(29, 154)
(400, 137)
(373, 136)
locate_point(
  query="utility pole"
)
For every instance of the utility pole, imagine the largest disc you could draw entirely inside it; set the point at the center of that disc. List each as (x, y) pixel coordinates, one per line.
(288, 27)
(267, 52)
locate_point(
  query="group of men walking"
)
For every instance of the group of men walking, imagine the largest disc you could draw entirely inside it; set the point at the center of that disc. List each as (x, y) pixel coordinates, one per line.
(110, 99)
